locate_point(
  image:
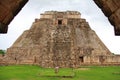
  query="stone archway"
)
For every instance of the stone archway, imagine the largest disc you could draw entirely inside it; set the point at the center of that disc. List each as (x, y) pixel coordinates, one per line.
(10, 8)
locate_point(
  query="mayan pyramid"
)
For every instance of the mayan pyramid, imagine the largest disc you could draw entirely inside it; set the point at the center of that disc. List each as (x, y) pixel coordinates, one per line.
(61, 39)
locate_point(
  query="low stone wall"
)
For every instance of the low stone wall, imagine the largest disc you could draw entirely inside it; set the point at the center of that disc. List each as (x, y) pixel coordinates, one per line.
(102, 60)
(1, 60)
(87, 61)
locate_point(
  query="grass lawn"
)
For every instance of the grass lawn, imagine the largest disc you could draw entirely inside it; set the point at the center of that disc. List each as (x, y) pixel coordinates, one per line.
(27, 72)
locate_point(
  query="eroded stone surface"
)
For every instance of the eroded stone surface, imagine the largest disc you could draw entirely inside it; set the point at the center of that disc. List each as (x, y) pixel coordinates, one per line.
(59, 39)
(111, 8)
(8, 10)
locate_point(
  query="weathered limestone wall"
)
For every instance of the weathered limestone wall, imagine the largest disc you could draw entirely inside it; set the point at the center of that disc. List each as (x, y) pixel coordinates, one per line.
(115, 59)
(21, 55)
(2, 62)
(102, 60)
(50, 43)
(8, 10)
(46, 16)
(111, 8)
(68, 14)
(1, 56)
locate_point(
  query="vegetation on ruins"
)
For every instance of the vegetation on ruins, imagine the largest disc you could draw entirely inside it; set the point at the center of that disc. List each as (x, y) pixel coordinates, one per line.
(2, 51)
(27, 72)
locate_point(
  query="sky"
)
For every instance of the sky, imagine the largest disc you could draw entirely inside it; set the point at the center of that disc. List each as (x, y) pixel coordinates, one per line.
(88, 9)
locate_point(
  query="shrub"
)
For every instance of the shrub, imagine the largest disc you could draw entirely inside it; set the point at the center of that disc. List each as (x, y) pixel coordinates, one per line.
(2, 52)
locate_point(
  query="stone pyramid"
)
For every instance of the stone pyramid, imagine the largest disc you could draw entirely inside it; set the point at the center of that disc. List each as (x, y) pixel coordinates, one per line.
(61, 39)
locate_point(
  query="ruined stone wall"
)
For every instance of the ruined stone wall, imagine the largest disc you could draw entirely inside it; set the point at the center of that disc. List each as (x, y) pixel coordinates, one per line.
(22, 55)
(49, 44)
(111, 8)
(102, 60)
(1, 61)
(115, 59)
(46, 16)
(68, 14)
(8, 10)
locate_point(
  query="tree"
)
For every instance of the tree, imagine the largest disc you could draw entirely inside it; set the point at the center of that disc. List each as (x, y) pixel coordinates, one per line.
(2, 52)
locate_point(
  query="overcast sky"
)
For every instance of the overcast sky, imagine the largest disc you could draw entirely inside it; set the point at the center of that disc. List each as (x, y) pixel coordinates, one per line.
(88, 9)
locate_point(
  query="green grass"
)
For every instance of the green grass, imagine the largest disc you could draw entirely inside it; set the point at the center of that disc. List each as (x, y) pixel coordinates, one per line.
(63, 72)
(27, 72)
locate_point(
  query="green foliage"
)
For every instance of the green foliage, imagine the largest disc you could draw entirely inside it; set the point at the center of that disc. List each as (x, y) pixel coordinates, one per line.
(27, 72)
(113, 53)
(2, 52)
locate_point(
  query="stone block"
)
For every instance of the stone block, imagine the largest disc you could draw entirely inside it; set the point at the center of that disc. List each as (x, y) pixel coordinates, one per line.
(111, 9)
(8, 10)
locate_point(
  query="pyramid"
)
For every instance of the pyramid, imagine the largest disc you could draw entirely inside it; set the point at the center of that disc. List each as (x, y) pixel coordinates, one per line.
(61, 39)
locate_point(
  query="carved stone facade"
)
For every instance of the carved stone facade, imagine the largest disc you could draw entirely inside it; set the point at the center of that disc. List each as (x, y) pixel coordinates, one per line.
(111, 8)
(8, 10)
(61, 39)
